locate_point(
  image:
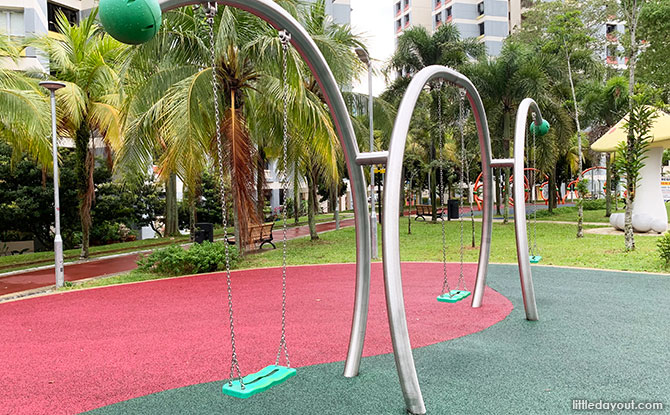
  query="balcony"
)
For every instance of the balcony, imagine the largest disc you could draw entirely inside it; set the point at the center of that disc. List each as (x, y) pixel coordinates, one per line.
(611, 60)
(449, 18)
(611, 37)
(438, 5)
(438, 24)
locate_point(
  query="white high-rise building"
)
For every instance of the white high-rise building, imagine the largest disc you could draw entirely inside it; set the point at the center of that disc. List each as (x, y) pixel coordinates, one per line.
(490, 21)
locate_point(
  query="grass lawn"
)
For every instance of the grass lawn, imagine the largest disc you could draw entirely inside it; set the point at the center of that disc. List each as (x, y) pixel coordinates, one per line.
(569, 214)
(556, 243)
(35, 259)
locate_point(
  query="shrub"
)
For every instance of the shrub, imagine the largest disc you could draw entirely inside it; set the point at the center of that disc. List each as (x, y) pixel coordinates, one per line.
(596, 204)
(663, 245)
(199, 258)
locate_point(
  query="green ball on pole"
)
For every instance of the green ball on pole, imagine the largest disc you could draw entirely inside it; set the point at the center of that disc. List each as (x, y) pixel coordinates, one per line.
(130, 21)
(542, 129)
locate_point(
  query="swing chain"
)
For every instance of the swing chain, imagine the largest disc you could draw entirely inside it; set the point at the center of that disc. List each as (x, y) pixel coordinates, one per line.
(533, 249)
(235, 372)
(461, 121)
(285, 38)
(445, 283)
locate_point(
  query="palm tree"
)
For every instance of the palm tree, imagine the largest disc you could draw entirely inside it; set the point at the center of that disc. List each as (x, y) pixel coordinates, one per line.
(24, 118)
(417, 49)
(88, 62)
(520, 72)
(177, 116)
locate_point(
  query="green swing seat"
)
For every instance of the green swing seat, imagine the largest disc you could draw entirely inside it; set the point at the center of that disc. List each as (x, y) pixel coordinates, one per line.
(534, 259)
(258, 382)
(453, 296)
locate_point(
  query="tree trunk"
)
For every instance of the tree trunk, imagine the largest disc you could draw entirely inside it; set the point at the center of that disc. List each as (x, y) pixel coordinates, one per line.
(499, 197)
(296, 194)
(311, 202)
(171, 208)
(505, 195)
(192, 217)
(84, 166)
(433, 194)
(629, 237)
(551, 196)
(580, 207)
(239, 244)
(260, 183)
(608, 187)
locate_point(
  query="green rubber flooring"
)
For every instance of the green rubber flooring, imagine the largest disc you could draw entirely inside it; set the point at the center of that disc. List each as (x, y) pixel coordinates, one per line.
(601, 335)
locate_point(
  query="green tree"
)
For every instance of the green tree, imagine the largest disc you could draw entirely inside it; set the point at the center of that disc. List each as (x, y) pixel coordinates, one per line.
(631, 10)
(631, 155)
(24, 118)
(88, 62)
(655, 31)
(417, 49)
(569, 38)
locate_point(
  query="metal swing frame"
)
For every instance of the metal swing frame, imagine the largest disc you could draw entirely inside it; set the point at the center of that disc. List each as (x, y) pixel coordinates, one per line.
(390, 228)
(355, 160)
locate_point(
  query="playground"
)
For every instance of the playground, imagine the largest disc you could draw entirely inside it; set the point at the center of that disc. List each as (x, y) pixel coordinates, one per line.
(470, 316)
(156, 347)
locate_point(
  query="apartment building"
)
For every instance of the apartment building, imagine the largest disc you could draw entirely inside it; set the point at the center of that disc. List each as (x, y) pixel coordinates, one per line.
(490, 21)
(408, 13)
(613, 30)
(26, 18)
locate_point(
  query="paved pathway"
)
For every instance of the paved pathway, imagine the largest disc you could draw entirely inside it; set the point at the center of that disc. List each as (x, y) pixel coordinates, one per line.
(98, 267)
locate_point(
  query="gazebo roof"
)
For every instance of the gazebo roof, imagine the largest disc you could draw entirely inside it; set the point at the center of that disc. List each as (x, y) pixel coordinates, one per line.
(660, 134)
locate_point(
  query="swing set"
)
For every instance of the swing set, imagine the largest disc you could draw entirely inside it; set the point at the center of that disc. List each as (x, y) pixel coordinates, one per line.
(138, 21)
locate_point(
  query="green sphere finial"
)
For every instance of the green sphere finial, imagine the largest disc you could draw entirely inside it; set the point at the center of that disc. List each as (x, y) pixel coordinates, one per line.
(541, 130)
(130, 21)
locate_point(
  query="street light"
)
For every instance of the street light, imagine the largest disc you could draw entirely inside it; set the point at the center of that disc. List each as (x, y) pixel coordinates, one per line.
(365, 58)
(52, 86)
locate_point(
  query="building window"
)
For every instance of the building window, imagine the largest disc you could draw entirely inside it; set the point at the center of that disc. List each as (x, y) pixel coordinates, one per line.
(406, 2)
(438, 3)
(398, 25)
(610, 28)
(407, 20)
(398, 8)
(481, 29)
(11, 23)
(52, 11)
(480, 8)
(448, 12)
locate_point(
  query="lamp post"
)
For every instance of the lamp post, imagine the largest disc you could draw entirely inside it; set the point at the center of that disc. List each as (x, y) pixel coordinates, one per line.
(365, 58)
(58, 241)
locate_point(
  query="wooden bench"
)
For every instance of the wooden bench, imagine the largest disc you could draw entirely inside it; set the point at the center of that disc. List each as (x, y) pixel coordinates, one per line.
(258, 235)
(427, 210)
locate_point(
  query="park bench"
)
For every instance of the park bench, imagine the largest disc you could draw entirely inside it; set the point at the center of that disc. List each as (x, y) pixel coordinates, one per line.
(258, 235)
(427, 210)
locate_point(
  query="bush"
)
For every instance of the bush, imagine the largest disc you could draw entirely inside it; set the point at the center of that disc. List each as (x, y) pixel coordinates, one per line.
(199, 258)
(596, 204)
(663, 245)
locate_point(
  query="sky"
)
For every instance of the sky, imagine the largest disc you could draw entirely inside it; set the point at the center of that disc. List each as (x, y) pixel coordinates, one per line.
(373, 20)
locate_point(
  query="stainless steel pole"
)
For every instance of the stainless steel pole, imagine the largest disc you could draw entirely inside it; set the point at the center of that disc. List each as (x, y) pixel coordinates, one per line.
(373, 215)
(58, 241)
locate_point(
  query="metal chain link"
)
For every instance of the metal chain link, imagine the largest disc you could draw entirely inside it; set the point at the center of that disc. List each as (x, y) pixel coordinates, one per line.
(445, 283)
(235, 372)
(461, 121)
(285, 38)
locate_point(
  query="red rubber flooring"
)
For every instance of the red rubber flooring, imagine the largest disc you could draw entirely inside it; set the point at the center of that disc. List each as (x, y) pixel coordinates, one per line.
(97, 268)
(75, 351)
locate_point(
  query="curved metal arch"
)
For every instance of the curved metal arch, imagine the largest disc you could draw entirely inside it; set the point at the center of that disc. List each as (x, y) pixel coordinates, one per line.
(303, 43)
(526, 276)
(390, 229)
